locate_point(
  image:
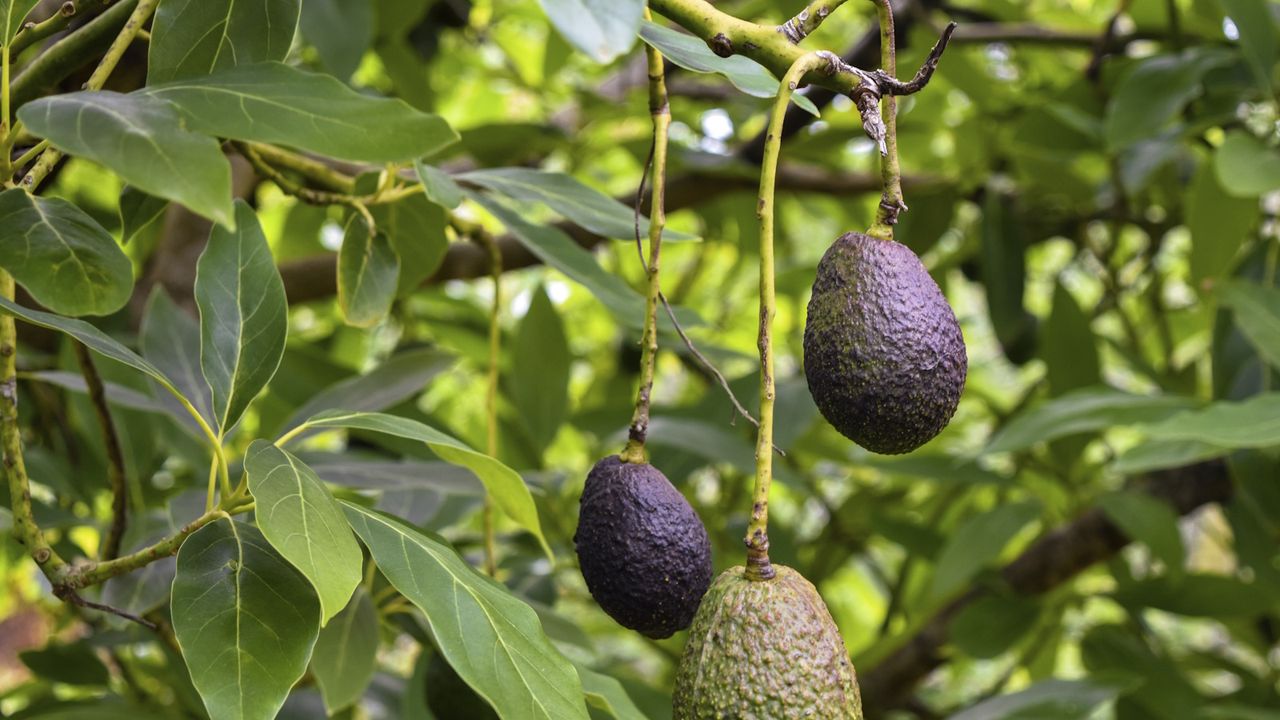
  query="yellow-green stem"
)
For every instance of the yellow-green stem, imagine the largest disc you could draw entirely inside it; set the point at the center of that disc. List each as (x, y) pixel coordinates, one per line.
(891, 202)
(660, 111)
(6, 132)
(491, 395)
(757, 538)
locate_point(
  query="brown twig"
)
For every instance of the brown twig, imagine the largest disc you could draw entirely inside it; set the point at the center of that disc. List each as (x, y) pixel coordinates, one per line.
(115, 456)
(74, 598)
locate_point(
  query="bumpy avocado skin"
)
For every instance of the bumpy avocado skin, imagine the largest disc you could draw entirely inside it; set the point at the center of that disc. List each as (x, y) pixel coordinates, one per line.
(883, 352)
(643, 550)
(765, 650)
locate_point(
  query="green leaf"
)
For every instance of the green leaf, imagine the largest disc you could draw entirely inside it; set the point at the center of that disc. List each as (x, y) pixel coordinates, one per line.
(62, 256)
(1218, 223)
(1046, 700)
(275, 103)
(1252, 423)
(368, 273)
(415, 226)
(117, 395)
(1160, 454)
(540, 370)
(192, 38)
(138, 211)
(1004, 275)
(346, 653)
(992, 624)
(341, 31)
(170, 339)
(303, 523)
(693, 54)
(12, 13)
(1151, 523)
(141, 138)
(603, 29)
(439, 186)
(1256, 24)
(1082, 411)
(245, 619)
(1154, 91)
(399, 378)
(608, 695)
(1245, 166)
(73, 664)
(1257, 311)
(493, 640)
(1068, 346)
(584, 206)
(505, 485)
(1201, 595)
(243, 315)
(976, 542)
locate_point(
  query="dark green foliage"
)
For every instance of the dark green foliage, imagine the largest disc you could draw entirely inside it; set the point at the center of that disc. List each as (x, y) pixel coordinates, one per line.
(883, 352)
(449, 696)
(643, 550)
(765, 649)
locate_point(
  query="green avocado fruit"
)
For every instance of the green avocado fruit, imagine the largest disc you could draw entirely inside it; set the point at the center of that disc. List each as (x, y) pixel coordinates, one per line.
(883, 353)
(765, 649)
(644, 552)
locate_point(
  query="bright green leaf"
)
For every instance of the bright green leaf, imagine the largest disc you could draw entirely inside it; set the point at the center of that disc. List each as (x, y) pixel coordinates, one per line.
(1154, 91)
(540, 370)
(142, 139)
(1245, 166)
(1201, 595)
(1081, 411)
(245, 619)
(1067, 345)
(368, 273)
(243, 315)
(12, 13)
(976, 542)
(1218, 223)
(603, 29)
(992, 624)
(276, 103)
(439, 186)
(505, 485)
(192, 38)
(1046, 700)
(415, 226)
(346, 653)
(1160, 454)
(138, 211)
(608, 695)
(1252, 423)
(62, 256)
(398, 378)
(1257, 310)
(1151, 523)
(303, 523)
(493, 640)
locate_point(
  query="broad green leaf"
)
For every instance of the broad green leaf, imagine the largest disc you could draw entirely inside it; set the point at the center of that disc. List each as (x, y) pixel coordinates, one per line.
(559, 251)
(1004, 275)
(138, 211)
(1081, 411)
(1257, 311)
(346, 653)
(144, 590)
(976, 542)
(415, 226)
(141, 139)
(192, 38)
(1245, 166)
(1218, 223)
(505, 485)
(62, 256)
(90, 336)
(1201, 595)
(993, 624)
(1256, 24)
(1068, 346)
(493, 640)
(1160, 454)
(276, 103)
(1046, 700)
(1154, 90)
(303, 523)
(98, 709)
(693, 54)
(1252, 423)
(439, 186)
(398, 378)
(243, 315)
(245, 619)
(118, 395)
(341, 30)
(584, 206)
(73, 663)
(607, 694)
(540, 363)
(12, 13)
(368, 274)
(170, 339)
(1149, 522)
(603, 29)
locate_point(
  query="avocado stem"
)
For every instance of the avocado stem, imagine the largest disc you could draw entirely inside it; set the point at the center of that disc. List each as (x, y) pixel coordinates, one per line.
(757, 538)
(891, 201)
(660, 111)
(491, 395)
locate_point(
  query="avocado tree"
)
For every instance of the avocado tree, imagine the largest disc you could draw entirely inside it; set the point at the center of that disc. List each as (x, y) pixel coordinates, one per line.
(438, 358)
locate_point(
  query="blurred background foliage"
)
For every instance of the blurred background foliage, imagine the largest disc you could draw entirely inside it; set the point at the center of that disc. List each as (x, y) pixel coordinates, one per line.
(1093, 184)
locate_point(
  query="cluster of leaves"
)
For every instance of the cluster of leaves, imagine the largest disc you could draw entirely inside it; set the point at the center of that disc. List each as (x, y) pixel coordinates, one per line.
(1101, 214)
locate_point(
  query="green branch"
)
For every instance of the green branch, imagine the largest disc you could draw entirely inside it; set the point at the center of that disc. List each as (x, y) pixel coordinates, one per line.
(70, 53)
(806, 21)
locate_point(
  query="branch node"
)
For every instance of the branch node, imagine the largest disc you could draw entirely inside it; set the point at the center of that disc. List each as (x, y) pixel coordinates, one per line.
(721, 45)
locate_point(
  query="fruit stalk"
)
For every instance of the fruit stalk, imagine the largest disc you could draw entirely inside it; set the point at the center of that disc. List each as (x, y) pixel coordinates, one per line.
(660, 111)
(757, 538)
(491, 395)
(891, 202)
